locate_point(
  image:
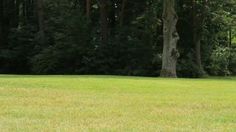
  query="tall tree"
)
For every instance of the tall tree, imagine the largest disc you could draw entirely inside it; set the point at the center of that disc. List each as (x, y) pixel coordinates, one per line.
(16, 9)
(1, 22)
(40, 12)
(171, 37)
(198, 24)
(88, 8)
(104, 20)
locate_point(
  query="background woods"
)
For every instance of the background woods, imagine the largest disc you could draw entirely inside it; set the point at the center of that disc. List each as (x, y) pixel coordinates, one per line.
(122, 37)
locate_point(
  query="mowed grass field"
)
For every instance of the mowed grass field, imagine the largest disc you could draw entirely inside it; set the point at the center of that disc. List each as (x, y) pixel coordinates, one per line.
(114, 103)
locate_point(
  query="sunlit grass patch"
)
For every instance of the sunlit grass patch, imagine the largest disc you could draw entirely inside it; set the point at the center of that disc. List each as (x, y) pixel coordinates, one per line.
(114, 103)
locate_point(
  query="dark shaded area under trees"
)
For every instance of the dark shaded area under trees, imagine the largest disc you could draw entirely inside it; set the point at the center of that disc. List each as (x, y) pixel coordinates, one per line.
(118, 37)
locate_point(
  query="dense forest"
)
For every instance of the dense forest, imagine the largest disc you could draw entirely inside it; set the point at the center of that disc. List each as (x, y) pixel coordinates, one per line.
(169, 38)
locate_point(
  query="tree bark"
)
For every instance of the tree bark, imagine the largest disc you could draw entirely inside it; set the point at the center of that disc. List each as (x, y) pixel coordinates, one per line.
(197, 42)
(16, 13)
(230, 36)
(171, 37)
(196, 35)
(88, 8)
(104, 20)
(198, 21)
(41, 21)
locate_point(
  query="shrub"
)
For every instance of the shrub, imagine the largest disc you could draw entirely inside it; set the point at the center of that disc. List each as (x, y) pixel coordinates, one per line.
(220, 61)
(186, 67)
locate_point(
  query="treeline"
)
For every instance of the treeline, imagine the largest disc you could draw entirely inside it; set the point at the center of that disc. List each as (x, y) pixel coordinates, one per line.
(188, 38)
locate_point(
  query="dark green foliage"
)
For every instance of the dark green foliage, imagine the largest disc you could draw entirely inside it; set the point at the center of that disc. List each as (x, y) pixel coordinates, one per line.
(186, 66)
(73, 41)
(14, 58)
(232, 61)
(70, 45)
(220, 61)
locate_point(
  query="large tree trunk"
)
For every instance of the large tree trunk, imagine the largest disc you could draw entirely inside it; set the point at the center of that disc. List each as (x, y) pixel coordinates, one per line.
(171, 37)
(198, 21)
(104, 20)
(41, 21)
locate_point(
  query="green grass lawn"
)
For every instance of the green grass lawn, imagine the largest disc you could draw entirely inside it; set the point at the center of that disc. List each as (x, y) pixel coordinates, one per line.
(110, 103)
